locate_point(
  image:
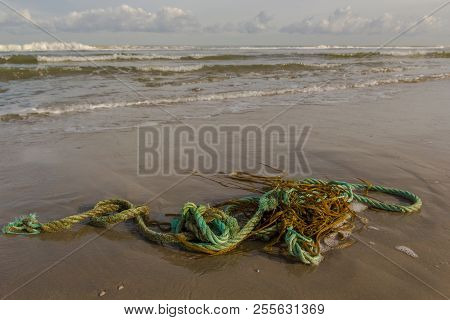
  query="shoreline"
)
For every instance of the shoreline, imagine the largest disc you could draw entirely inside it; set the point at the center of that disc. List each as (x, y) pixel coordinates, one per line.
(400, 141)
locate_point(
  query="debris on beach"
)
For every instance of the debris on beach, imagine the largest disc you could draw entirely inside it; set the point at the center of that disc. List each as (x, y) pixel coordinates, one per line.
(301, 219)
(407, 251)
(101, 293)
(373, 228)
(358, 206)
(120, 287)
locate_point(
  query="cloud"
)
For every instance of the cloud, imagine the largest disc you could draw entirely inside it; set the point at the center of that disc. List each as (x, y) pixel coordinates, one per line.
(12, 21)
(125, 18)
(260, 23)
(344, 21)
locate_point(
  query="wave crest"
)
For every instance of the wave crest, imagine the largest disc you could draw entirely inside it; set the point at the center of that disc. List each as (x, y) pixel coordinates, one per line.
(23, 73)
(46, 46)
(44, 112)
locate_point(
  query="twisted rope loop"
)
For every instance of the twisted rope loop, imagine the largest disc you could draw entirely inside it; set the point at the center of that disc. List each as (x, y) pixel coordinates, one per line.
(416, 202)
(101, 215)
(207, 224)
(302, 247)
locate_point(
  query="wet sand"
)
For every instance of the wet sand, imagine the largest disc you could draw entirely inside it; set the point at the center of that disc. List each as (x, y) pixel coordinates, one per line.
(402, 141)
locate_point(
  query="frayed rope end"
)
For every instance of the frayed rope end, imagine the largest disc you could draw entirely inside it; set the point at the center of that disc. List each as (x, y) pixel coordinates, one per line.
(23, 225)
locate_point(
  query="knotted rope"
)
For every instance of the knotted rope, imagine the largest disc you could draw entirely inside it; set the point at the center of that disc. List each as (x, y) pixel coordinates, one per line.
(292, 215)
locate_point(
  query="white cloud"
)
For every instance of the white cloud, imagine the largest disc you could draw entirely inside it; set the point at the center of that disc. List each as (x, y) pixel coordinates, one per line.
(259, 23)
(344, 21)
(122, 18)
(126, 18)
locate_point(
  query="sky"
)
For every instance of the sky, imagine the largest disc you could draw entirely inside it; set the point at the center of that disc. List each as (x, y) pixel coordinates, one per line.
(226, 22)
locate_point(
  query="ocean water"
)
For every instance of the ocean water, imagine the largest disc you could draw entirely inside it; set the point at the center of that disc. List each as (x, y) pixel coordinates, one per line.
(76, 87)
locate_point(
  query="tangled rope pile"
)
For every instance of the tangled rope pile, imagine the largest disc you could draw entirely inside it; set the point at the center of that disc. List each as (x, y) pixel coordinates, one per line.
(294, 216)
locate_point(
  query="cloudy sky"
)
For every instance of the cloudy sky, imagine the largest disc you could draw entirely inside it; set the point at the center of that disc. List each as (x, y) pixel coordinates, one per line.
(226, 22)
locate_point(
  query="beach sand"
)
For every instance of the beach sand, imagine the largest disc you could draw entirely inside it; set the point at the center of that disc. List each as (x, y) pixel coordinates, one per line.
(401, 141)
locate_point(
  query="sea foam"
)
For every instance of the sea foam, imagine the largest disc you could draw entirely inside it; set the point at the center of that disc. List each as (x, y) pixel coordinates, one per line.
(46, 46)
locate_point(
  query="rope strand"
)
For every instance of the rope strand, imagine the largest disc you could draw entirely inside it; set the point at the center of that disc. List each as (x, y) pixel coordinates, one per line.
(294, 215)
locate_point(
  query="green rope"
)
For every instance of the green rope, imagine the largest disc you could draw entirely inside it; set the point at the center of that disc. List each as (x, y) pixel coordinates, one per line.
(416, 202)
(101, 215)
(23, 225)
(216, 230)
(294, 241)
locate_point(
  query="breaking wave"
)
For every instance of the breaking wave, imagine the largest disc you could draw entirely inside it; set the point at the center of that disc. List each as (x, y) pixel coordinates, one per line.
(234, 68)
(9, 73)
(43, 112)
(106, 57)
(34, 59)
(331, 47)
(46, 46)
(170, 69)
(120, 57)
(372, 54)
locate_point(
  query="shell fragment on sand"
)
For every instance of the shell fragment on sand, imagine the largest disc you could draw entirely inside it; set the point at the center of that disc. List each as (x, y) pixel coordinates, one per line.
(407, 251)
(102, 293)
